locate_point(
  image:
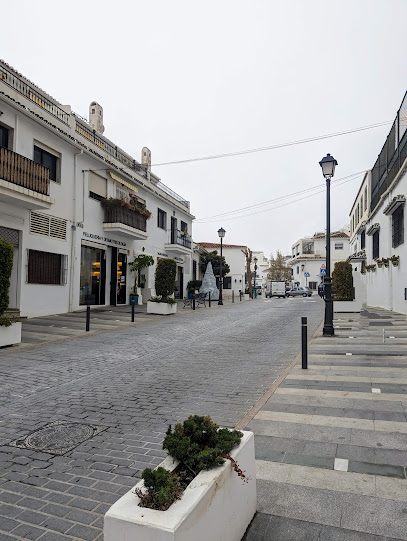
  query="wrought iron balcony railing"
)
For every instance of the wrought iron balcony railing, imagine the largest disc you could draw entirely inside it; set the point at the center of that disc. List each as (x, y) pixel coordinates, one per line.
(179, 237)
(126, 216)
(23, 172)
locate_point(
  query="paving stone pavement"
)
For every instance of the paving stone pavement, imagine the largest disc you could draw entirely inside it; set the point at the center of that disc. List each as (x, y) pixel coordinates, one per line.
(132, 382)
(331, 441)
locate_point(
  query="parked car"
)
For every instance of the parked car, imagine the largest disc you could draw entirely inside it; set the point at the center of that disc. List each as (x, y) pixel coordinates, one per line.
(299, 291)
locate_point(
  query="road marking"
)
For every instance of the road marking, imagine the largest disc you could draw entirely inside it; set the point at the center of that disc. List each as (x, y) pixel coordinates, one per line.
(374, 390)
(341, 464)
(349, 354)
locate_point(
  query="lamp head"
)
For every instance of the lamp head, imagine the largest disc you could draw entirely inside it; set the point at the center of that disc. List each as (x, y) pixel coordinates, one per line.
(328, 166)
(221, 233)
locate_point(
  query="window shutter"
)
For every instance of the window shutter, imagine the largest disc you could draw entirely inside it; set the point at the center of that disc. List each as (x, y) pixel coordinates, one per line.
(97, 184)
(47, 226)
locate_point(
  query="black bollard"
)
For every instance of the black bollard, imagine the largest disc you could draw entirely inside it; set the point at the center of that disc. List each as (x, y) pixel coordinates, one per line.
(132, 309)
(233, 296)
(87, 317)
(240, 295)
(304, 347)
(193, 302)
(209, 299)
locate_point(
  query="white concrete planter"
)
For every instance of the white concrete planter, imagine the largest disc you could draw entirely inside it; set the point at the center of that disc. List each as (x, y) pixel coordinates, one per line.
(216, 506)
(10, 335)
(246, 297)
(348, 306)
(161, 308)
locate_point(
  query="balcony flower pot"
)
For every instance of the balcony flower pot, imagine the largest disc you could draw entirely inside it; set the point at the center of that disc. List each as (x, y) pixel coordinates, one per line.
(216, 506)
(395, 263)
(380, 264)
(161, 308)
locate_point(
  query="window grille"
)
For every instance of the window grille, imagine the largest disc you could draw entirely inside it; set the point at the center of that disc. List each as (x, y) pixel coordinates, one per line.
(46, 268)
(161, 219)
(47, 226)
(9, 235)
(398, 227)
(375, 240)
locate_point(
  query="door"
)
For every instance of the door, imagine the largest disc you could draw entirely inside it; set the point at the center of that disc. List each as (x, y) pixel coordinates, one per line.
(12, 236)
(92, 276)
(113, 278)
(173, 230)
(180, 283)
(121, 278)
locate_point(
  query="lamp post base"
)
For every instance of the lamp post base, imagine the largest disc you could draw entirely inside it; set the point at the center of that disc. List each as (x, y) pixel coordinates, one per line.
(220, 302)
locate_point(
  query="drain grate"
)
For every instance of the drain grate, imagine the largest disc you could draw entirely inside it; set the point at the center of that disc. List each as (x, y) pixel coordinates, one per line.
(58, 437)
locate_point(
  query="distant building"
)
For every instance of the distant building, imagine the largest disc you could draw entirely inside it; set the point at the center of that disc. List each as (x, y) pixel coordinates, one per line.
(235, 258)
(263, 266)
(308, 257)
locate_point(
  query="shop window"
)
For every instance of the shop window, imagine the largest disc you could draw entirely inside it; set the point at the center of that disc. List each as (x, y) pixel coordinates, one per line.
(161, 219)
(45, 158)
(375, 240)
(46, 268)
(97, 187)
(398, 227)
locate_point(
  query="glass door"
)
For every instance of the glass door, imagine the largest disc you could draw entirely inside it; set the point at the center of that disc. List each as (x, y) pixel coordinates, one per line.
(92, 276)
(121, 278)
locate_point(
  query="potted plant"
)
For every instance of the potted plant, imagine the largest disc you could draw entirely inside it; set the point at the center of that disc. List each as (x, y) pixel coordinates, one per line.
(395, 259)
(205, 490)
(192, 286)
(380, 263)
(385, 261)
(164, 302)
(10, 327)
(139, 263)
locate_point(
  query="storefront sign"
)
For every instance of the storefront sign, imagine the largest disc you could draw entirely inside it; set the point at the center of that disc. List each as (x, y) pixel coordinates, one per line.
(105, 240)
(179, 259)
(162, 255)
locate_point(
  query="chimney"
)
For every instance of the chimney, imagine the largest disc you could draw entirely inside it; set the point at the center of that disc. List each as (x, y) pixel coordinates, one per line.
(96, 117)
(146, 158)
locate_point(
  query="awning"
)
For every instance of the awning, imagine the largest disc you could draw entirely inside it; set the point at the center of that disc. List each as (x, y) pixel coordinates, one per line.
(124, 182)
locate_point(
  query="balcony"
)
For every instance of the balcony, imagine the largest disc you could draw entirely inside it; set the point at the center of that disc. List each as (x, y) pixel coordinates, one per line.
(179, 242)
(23, 182)
(126, 222)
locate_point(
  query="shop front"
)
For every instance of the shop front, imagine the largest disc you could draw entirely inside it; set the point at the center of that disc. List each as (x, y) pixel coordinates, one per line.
(93, 274)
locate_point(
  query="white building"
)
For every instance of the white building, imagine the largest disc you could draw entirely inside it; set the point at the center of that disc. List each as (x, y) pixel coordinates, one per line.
(263, 266)
(382, 225)
(235, 258)
(56, 169)
(309, 257)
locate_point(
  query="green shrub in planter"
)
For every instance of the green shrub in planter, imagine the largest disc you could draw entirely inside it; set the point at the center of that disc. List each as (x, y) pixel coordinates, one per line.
(342, 281)
(165, 275)
(6, 266)
(163, 487)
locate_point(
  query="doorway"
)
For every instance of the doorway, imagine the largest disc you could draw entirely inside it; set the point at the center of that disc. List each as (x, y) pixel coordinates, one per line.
(93, 276)
(118, 277)
(180, 283)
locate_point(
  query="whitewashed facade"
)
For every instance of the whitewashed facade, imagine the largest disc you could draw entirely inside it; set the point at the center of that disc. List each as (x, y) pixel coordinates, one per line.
(263, 266)
(55, 168)
(309, 257)
(385, 257)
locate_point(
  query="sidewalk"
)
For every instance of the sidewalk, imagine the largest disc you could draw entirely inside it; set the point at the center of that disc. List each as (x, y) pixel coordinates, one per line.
(331, 441)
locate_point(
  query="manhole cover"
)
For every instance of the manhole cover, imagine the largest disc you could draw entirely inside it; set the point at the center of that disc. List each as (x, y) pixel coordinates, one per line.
(57, 438)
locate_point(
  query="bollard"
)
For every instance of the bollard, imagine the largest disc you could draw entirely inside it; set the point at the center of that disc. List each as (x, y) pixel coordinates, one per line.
(233, 296)
(87, 317)
(193, 302)
(304, 347)
(240, 295)
(209, 299)
(132, 310)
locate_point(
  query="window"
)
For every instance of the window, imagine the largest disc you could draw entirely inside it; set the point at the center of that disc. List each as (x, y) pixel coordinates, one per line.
(47, 226)
(375, 240)
(365, 197)
(362, 240)
(361, 206)
(398, 227)
(49, 160)
(162, 219)
(184, 227)
(46, 268)
(227, 282)
(312, 285)
(293, 253)
(338, 245)
(4, 138)
(308, 248)
(298, 270)
(357, 214)
(97, 187)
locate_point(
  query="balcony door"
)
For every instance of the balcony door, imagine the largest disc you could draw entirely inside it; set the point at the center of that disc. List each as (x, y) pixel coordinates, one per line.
(173, 230)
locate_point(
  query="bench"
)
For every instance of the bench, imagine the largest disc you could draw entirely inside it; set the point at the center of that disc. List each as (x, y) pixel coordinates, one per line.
(199, 299)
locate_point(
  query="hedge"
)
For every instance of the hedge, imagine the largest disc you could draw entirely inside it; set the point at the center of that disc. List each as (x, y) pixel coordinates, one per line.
(342, 281)
(165, 275)
(6, 266)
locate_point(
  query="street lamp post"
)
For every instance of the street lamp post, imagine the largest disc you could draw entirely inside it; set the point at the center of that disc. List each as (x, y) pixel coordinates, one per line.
(328, 169)
(255, 271)
(221, 233)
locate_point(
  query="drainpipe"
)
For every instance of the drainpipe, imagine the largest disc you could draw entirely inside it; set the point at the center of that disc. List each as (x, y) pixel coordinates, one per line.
(73, 240)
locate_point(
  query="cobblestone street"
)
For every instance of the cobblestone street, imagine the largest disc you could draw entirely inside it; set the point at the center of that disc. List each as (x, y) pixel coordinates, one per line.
(131, 383)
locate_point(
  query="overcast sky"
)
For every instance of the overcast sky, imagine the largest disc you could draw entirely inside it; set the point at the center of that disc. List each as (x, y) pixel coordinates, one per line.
(190, 79)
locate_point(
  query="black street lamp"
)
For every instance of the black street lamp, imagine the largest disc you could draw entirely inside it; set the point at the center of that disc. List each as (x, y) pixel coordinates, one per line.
(328, 169)
(221, 233)
(255, 270)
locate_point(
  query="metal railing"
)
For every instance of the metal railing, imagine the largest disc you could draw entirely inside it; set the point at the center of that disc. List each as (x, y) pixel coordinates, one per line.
(391, 157)
(170, 192)
(179, 237)
(23, 172)
(33, 94)
(125, 216)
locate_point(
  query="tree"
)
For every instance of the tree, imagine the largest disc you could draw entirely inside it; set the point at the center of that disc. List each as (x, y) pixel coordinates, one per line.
(214, 258)
(342, 281)
(140, 262)
(278, 271)
(165, 275)
(248, 254)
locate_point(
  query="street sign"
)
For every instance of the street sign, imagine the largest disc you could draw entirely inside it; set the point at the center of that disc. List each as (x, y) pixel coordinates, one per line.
(306, 274)
(322, 272)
